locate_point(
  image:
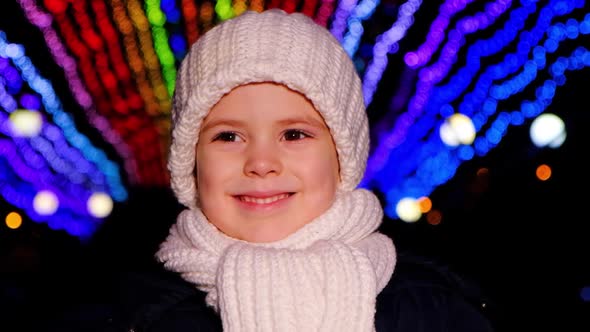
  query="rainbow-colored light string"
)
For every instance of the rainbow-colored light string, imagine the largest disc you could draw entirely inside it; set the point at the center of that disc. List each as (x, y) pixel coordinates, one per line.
(105, 72)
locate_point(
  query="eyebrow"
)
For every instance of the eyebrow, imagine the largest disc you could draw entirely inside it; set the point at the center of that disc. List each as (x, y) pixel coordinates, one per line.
(284, 122)
(218, 122)
(304, 119)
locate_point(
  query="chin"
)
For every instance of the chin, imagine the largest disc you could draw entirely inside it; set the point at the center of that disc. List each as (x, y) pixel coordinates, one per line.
(267, 236)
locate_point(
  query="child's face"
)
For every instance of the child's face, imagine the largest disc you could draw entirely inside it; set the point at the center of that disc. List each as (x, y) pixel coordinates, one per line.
(266, 163)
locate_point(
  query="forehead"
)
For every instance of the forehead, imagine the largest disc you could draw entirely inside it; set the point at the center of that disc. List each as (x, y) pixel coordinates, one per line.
(264, 101)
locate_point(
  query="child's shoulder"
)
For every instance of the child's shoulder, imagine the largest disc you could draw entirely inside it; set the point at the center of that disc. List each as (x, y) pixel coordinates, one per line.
(147, 298)
(427, 295)
(159, 300)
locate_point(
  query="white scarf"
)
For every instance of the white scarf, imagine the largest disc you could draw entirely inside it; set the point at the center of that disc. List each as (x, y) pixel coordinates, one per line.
(324, 277)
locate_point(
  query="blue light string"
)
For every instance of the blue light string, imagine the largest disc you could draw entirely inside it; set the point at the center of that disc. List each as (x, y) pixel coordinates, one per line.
(436, 169)
(387, 44)
(43, 155)
(579, 59)
(500, 40)
(431, 75)
(427, 162)
(340, 18)
(70, 195)
(26, 163)
(53, 106)
(37, 152)
(21, 194)
(354, 32)
(442, 95)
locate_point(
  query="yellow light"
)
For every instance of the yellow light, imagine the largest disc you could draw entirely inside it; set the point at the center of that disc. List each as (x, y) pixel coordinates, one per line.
(26, 123)
(13, 220)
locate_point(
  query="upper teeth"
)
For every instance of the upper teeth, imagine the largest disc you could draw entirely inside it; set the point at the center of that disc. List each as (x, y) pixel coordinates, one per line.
(265, 200)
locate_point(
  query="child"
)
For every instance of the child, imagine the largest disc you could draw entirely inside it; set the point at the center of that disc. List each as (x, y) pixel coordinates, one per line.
(269, 143)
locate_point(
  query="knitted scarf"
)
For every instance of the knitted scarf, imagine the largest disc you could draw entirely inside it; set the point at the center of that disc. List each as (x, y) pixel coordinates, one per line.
(324, 277)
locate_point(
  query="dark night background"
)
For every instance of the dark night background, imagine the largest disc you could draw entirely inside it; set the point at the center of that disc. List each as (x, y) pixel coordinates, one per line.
(525, 241)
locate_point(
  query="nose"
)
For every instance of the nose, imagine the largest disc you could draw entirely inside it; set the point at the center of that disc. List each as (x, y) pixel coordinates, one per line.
(262, 159)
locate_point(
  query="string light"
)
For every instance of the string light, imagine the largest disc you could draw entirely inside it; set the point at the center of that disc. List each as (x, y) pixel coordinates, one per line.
(360, 13)
(427, 162)
(387, 43)
(133, 77)
(157, 18)
(43, 21)
(190, 13)
(53, 106)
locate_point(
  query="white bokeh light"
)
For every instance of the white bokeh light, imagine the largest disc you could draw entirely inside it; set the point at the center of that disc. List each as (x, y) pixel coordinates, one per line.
(99, 205)
(25, 123)
(457, 129)
(547, 129)
(45, 203)
(408, 209)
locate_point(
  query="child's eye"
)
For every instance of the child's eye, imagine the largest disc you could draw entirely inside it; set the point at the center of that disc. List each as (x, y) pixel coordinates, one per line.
(294, 135)
(227, 136)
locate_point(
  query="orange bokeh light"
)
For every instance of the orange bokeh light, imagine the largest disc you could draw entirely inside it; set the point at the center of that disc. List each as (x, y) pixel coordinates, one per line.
(13, 220)
(543, 172)
(425, 204)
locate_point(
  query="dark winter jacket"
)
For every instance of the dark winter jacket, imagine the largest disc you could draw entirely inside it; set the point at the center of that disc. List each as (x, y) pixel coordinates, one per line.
(420, 297)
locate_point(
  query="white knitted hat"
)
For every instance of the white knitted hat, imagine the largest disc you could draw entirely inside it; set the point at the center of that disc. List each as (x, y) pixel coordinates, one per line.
(272, 46)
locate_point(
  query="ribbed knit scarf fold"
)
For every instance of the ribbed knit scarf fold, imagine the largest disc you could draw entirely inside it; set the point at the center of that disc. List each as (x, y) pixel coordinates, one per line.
(324, 277)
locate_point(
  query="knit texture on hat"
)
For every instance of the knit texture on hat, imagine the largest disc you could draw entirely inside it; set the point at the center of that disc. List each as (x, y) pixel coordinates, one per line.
(271, 46)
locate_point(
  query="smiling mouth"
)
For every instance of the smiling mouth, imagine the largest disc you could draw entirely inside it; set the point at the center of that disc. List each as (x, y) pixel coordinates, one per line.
(265, 200)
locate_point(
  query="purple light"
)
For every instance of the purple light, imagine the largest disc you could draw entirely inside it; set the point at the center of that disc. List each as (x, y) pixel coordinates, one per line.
(30, 101)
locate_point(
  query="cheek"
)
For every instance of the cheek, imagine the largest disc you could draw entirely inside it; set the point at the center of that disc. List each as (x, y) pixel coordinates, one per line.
(213, 170)
(322, 170)
(204, 173)
(210, 182)
(333, 165)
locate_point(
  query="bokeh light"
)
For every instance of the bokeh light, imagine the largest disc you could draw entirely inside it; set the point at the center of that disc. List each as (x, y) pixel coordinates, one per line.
(473, 74)
(434, 217)
(45, 203)
(548, 130)
(457, 129)
(13, 220)
(543, 172)
(100, 205)
(26, 123)
(425, 204)
(408, 209)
